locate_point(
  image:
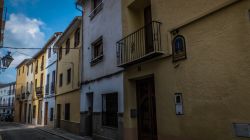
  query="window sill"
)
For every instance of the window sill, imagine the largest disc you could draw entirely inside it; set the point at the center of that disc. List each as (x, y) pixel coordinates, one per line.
(96, 11)
(96, 60)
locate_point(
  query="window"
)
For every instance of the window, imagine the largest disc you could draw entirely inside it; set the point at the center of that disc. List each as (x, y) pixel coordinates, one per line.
(36, 83)
(67, 112)
(28, 69)
(61, 80)
(178, 104)
(67, 46)
(53, 82)
(242, 129)
(34, 111)
(42, 64)
(32, 68)
(68, 76)
(36, 70)
(31, 86)
(97, 51)
(179, 48)
(51, 114)
(110, 110)
(77, 37)
(49, 52)
(96, 8)
(47, 84)
(60, 53)
(23, 69)
(41, 80)
(19, 72)
(27, 87)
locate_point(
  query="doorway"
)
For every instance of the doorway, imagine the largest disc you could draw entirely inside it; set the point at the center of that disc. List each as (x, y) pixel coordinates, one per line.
(147, 125)
(58, 115)
(39, 120)
(29, 114)
(89, 118)
(25, 112)
(21, 110)
(46, 114)
(149, 47)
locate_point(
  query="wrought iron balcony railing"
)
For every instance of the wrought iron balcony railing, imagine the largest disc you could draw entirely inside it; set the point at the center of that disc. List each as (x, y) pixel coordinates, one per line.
(143, 44)
(18, 97)
(39, 92)
(23, 95)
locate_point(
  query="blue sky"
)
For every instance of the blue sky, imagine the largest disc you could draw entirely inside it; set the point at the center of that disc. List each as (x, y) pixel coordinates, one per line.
(30, 23)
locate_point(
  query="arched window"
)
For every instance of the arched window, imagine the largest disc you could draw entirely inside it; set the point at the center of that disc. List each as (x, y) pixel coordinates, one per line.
(179, 48)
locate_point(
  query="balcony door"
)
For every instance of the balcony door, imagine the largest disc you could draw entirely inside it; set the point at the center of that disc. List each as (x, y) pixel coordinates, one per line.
(39, 120)
(145, 93)
(149, 47)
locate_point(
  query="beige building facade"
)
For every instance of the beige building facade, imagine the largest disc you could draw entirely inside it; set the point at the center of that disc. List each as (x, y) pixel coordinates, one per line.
(187, 70)
(67, 96)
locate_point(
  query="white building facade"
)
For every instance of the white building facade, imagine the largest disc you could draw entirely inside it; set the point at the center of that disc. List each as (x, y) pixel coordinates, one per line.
(48, 111)
(102, 81)
(7, 99)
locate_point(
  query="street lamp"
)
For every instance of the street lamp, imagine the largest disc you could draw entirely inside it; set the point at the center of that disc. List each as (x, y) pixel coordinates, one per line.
(6, 60)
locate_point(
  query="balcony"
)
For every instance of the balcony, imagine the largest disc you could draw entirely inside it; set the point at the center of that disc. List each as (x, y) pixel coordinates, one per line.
(17, 97)
(39, 92)
(23, 96)
(141, 45)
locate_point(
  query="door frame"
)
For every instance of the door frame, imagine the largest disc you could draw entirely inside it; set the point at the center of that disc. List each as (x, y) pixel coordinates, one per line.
(46, 106)
(149, 79)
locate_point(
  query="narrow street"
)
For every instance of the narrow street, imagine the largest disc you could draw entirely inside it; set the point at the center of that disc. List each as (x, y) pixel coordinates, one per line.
(13, 131)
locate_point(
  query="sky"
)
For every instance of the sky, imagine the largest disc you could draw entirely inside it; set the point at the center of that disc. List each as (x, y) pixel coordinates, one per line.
(30, 23)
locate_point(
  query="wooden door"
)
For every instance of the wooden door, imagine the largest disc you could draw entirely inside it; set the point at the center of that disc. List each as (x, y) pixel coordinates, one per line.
(46, 113)
(147, 125)
(58, 116)
(20, 111)
(148, 30)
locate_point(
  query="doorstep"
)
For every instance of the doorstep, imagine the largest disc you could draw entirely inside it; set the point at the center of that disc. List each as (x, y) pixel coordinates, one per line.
(63, 134)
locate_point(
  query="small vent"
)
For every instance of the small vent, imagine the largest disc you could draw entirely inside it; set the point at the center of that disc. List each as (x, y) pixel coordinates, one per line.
(242, 129)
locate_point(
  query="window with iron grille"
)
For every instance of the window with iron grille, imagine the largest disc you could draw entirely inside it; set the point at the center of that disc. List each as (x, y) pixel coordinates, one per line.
(110, 110)
(96, 8)
(67, 46)
(68, 76)
(77, 37)
(67, 112)
(97, 51)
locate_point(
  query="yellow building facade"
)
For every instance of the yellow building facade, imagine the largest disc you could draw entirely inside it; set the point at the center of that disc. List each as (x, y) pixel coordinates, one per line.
(200, 92)
(39, 86)
(19, 108)
(67, 95)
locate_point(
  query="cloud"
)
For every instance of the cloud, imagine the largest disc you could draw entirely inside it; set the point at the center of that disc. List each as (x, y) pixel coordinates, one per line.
(22, 2)
(23, 32)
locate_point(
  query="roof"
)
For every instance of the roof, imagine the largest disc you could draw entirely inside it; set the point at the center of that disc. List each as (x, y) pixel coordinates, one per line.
(73, 25)
(52, 38)
(7, 84)
(22, 63)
